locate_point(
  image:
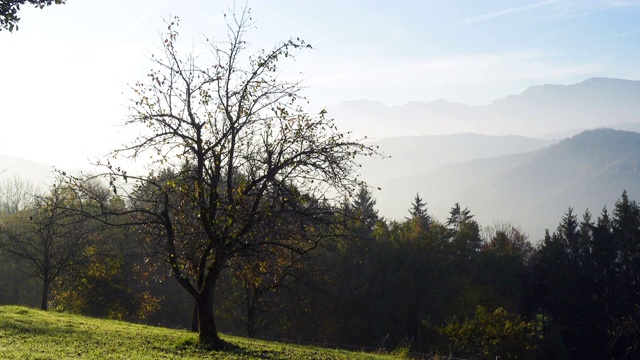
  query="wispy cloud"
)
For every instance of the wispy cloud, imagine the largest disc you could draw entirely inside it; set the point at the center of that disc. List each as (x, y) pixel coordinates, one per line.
(569, 9)
(495, 14)
(613, 36)
(140, 21)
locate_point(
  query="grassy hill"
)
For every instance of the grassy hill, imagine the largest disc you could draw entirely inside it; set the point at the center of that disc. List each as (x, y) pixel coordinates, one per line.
(33, 334)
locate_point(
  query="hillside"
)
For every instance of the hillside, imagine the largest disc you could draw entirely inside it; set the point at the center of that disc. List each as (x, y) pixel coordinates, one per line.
(32, 334)
(27, 170)
(589, 170)
(411, 155)
(537, 111)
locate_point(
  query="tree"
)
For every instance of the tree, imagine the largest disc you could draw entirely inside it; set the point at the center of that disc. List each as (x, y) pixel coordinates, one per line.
(570, 271)
(464, 233)
(626, 311)
(262, 275)
(363, 208)
(464, 248)
(458, 216)
(418, 212)
(568, 233)
(242, 153)
(15, 195)
(9, 11)
(112, 281)
(502, 266)
(271, 269)
(488, 334)
(46, 235)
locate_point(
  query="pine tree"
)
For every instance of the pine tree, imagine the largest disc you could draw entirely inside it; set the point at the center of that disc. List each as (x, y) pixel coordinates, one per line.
(363, 208)
(418, 212)
(626, 230)
(457, 217)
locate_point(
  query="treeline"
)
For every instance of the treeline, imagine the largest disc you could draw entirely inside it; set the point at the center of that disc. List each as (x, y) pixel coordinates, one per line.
(448, 287)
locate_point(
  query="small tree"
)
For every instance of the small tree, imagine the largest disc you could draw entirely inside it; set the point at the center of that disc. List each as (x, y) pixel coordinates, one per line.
(458, 217)
(241, 153)
(46, 235)
(112, 281)
(418, 211)
(363, 208)
(16, 195)
(488, 334)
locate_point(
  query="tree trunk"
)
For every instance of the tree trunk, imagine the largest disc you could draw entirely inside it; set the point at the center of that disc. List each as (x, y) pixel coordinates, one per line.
(194, 318)
(251, 313)
(208, 334)
(207, 331)
(46, 284)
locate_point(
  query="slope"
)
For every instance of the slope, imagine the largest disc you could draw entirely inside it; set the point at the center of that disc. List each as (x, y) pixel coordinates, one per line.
(410, 155)
(32, 334)
(589, 170)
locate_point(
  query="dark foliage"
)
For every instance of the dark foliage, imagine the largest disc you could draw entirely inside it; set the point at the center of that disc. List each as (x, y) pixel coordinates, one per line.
(9, 11)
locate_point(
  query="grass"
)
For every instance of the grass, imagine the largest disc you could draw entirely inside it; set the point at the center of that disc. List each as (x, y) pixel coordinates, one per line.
(33, 334)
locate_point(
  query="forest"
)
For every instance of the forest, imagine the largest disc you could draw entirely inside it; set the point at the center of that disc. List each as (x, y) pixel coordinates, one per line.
(451, 287)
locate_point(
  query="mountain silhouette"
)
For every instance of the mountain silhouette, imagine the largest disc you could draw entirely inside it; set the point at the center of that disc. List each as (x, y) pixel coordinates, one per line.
(539, 110)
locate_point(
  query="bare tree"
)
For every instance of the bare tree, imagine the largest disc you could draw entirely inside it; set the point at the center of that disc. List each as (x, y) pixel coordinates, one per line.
(44, 234)
(16, 195)
(238, 152)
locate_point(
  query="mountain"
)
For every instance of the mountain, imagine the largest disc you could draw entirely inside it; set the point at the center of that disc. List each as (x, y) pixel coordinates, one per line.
(539, 110)
(38, 174)
(533, 190)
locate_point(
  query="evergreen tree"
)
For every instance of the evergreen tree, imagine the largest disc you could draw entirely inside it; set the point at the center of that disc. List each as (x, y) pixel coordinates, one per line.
(464, 232)
(604, 259)
(363, 208)
(604, 274)
(568, 233)
(418, 212)
(457, 217)
(626, 315)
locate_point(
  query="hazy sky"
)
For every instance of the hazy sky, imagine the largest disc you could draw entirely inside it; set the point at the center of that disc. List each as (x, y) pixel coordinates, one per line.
(64, 73)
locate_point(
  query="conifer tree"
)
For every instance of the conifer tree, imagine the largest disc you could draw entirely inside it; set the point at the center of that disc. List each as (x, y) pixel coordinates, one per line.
(418, 212)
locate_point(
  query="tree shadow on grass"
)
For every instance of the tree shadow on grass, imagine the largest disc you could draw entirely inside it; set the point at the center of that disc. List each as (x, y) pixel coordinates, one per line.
(192, 345)
(27, 326)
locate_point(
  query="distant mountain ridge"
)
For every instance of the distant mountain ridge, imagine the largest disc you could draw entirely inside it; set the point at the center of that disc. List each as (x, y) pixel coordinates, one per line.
(538, 110)
(38, 174)
(589, 170)
(409, 155)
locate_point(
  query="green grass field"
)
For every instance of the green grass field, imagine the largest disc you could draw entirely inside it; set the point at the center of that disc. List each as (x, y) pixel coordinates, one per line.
(33, 334)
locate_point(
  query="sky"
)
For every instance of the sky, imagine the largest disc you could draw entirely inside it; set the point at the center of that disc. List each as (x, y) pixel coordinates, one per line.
(65, 74)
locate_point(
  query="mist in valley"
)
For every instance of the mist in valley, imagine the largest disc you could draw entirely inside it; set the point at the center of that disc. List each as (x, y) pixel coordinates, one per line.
(533, 154)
